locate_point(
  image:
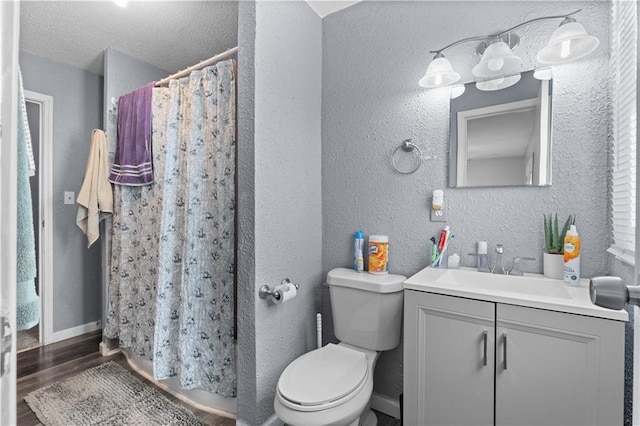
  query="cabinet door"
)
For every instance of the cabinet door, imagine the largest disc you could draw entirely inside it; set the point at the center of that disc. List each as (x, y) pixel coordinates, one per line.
(448, 360)
(558, 369)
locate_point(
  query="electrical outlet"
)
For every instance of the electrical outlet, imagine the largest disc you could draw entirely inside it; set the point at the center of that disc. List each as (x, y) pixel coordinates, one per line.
(69, 197)
(438, 215)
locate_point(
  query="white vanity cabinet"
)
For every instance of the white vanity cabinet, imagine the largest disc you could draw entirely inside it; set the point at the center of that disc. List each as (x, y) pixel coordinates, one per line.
(478, 362)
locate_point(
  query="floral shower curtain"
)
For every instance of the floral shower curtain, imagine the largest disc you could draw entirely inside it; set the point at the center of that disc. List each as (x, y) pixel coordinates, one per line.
(173, 266)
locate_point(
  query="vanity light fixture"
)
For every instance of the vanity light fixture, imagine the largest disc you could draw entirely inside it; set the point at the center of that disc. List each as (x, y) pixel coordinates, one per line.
(499, 67)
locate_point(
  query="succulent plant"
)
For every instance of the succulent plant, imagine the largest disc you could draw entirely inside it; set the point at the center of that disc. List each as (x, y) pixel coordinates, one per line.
(553, 240)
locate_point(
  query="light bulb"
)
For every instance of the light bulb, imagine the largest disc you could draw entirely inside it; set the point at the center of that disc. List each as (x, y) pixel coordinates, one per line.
(495, 64)
(565, 49)
(438, 79)
(121, 3)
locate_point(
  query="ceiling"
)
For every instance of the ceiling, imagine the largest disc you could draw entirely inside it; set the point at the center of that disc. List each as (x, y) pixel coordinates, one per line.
(170, 35)
(326, 7)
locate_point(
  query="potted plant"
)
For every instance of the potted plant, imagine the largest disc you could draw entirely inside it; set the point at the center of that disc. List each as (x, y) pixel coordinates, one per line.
(553, 263)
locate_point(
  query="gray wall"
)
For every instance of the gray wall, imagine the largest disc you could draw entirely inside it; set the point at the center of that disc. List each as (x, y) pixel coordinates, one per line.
(374, 53)
(122, 74)
(280, 202)
(77, 109)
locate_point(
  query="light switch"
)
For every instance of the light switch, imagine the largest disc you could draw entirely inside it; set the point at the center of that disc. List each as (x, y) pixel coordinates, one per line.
(69, 197)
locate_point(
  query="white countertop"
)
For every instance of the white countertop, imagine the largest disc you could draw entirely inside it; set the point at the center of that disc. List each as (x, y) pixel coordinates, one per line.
(532, 290)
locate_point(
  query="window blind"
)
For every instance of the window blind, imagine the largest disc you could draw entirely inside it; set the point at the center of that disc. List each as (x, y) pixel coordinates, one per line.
(623, 96)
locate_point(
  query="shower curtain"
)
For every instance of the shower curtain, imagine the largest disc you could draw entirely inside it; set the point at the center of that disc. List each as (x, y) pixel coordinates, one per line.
(173, 256)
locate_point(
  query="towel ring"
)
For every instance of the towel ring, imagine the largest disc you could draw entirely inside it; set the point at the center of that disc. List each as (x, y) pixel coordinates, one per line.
(407, 146)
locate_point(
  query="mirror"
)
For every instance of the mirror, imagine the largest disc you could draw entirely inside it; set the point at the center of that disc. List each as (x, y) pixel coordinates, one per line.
(502, 137)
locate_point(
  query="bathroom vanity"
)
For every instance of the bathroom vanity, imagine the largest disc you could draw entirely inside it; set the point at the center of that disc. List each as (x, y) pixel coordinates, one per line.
(484, 349)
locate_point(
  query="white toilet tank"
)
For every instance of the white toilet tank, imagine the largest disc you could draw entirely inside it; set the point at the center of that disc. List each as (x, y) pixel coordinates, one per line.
(367, 308)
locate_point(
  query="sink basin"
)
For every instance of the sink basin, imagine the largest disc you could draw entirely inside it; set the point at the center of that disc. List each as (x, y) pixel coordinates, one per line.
(535, 286)
(531, 290)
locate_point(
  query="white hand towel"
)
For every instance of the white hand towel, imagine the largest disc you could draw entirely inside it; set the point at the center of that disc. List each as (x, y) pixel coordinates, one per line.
(95, 199)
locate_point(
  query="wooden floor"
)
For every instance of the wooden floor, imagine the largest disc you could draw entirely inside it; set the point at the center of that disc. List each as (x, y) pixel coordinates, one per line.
(48, 364)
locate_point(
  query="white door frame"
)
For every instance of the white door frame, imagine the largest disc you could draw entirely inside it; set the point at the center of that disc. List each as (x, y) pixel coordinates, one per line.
(9, 36)
(636, 312)
(45, 214)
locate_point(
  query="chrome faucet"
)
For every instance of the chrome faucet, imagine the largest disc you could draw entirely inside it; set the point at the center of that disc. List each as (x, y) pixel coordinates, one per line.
(498, 265)
(515, 267)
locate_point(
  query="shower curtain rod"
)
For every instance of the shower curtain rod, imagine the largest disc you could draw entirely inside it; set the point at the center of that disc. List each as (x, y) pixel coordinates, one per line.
(198, 66)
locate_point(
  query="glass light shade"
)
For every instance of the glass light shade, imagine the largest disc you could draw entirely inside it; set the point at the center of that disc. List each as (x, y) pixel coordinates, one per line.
(497, 83)
(543, 73)
(439, 73)
(457, 90)
(498, 60)
(569, 42)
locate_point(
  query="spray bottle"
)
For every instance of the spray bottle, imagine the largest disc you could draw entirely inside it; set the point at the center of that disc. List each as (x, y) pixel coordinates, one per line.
(572, 257)
(358, 258)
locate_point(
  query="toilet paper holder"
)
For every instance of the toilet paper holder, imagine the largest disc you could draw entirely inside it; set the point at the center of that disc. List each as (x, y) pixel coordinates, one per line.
(265, 290)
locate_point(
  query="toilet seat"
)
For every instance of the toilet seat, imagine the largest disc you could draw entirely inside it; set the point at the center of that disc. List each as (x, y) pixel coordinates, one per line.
(323, 378)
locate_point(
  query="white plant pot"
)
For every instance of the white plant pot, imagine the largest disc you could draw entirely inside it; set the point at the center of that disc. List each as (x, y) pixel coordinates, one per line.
(553, 266)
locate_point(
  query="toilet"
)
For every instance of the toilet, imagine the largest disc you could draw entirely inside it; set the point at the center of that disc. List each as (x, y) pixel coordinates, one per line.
(333, 385)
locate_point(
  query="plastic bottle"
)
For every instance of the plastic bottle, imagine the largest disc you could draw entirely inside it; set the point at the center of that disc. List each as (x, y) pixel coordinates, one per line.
(572, 257)
(358, 258)
(378, 254)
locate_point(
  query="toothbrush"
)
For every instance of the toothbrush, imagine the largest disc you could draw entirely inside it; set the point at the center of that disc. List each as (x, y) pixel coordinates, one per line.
(434, 250)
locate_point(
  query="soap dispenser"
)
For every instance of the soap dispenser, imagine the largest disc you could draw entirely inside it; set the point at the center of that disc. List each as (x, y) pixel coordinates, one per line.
(483, 257)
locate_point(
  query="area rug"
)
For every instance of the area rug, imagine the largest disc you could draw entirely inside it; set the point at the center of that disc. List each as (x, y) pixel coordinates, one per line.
(106, 395)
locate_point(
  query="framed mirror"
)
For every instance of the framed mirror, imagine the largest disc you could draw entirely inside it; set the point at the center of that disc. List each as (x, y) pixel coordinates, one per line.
(502, 137)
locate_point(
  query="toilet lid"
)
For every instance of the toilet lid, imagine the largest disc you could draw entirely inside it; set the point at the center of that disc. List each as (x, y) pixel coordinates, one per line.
(323, 375)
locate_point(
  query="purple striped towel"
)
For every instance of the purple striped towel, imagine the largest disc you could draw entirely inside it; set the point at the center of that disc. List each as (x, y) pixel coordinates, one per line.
(132, 164)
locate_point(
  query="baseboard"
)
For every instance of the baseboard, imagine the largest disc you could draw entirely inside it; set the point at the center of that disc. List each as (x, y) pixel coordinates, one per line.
(271, 421)
(105, 351)
(379, 402)
(386, 405)
(76, 331)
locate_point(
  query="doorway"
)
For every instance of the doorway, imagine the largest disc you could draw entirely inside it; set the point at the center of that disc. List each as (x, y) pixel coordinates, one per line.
(40, 118)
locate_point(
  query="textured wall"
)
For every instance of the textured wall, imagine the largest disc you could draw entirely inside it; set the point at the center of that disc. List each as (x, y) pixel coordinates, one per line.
(280, 194)
(246, 273)
(374, 53)
(77, 109)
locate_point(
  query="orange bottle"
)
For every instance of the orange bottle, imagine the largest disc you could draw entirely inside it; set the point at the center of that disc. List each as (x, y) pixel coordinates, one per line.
(572, 257)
